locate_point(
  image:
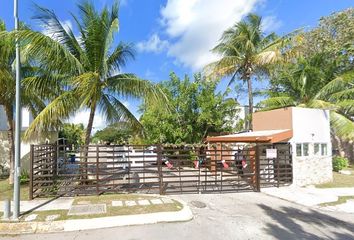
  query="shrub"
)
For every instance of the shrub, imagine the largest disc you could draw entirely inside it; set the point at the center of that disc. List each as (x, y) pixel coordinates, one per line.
(24, 177)
(339, 163)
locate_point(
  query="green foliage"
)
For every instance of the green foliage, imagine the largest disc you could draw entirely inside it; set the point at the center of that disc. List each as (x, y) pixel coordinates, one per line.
(88, 66)
(73, 134)
(247, 53)
(339, 163)
(118, 133)
(334, 37)
(24, 177)
(196, 111)
(323, 76)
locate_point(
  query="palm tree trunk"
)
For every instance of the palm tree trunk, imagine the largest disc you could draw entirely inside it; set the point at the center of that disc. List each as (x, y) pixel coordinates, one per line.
(87, 142)
(10, 135)
(89, 125)
(250, 102)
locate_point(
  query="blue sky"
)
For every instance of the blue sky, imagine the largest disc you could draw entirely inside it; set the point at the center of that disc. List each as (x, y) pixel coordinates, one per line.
(176, 35)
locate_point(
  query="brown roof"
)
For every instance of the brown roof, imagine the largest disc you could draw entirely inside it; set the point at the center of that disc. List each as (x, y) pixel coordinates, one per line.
(268, 136)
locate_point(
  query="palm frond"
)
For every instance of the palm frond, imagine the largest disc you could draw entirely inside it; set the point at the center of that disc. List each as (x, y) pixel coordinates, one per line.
(54, 28)
(129, 85)
(119, 57)
(340, 83)
(342, 126)
(115, 111)
(52, 116)
(277, 102)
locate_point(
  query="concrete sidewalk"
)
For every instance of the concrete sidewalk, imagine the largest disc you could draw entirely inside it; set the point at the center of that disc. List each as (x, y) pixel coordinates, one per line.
(63, 203)
(30, 223)
(312, 197)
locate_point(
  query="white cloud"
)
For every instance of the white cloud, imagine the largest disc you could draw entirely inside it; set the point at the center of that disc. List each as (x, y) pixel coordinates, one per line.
(271, 24)
(83, 116)
(153, 44)
(195, 26)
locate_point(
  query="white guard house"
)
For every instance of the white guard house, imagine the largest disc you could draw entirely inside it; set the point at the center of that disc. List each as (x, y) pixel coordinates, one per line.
(306, 130)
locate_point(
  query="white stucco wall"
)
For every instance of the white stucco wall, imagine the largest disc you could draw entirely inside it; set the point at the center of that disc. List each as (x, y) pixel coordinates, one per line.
(26, 118)
(311, 126)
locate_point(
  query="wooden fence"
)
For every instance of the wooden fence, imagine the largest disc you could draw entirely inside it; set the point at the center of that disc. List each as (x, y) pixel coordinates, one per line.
(60, 170)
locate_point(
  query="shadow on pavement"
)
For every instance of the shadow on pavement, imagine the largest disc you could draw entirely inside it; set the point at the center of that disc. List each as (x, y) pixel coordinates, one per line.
(290, 221)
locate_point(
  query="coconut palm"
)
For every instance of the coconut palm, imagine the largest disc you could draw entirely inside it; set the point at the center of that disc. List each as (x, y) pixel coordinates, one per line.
(245, 52)
(306, 84)
(31, 98)
(89, 65)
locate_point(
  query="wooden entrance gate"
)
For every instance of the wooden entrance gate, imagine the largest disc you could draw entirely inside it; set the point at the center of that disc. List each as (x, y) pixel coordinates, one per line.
(60, 170)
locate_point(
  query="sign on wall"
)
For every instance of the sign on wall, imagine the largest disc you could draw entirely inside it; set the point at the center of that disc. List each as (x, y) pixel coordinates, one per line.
(271, 153)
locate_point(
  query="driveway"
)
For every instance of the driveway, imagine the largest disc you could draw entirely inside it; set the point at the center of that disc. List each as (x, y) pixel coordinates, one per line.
(231, 216)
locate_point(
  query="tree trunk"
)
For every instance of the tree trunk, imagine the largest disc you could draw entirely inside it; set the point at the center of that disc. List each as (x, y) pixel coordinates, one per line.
(89, 125)
(84, 171)
(10, 135)
(250, 102)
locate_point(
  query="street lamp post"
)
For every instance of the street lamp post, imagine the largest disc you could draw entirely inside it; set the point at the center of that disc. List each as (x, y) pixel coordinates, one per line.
(18, 122)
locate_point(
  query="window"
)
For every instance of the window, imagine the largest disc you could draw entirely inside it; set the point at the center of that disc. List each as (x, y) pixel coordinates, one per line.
(298, 150)
(316, 149)
(305, 149)
(302, 149)
(324, 149)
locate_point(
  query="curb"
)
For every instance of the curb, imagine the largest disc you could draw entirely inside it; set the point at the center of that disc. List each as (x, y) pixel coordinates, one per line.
(95, 223)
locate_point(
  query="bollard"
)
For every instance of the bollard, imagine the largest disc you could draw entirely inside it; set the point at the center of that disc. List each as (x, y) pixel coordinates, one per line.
(7, 209)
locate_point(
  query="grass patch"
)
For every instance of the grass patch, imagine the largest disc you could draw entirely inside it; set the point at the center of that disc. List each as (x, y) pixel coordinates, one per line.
(108, 198)
(6, 190)
(341, 200)
(111, 211)
(340, 180)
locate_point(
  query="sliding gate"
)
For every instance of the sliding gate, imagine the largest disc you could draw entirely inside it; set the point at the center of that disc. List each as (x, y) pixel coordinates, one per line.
(58, 170)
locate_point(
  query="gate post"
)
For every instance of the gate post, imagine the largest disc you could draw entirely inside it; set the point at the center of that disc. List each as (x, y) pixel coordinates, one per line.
(30, 195)
(55, 160)
(97, 171)
(258, 182)
(159, 167)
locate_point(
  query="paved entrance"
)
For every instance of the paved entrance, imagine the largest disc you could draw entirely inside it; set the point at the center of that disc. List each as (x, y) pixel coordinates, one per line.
(231, 216)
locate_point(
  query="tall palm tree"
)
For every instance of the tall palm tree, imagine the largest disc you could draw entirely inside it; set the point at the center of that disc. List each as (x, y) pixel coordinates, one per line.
(245, 52)
(308, 84)
(89, 65)
(31, 98)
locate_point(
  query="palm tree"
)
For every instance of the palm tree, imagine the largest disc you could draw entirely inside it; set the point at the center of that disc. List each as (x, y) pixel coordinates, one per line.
(308, 84)
(31, 98)
(89, 65)
(245, 52)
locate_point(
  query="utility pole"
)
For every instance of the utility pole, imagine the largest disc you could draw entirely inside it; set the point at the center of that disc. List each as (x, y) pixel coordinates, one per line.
(18, 122)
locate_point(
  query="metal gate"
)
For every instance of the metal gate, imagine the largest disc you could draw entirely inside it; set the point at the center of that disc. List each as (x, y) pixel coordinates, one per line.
(60, 170)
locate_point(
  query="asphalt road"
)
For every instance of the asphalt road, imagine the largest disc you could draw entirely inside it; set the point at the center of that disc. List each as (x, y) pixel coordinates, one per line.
(230, 216)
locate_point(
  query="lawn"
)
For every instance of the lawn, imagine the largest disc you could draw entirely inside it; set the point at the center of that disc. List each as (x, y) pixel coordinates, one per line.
(6, 190)
(341, 200)
(340, 180)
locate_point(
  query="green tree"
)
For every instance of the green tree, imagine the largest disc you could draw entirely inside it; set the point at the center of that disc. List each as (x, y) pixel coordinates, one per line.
(31, 98)
(89, 65)
(196, 111)
(246, 52)
(334, 37)
(74, 134)
(118, 133)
